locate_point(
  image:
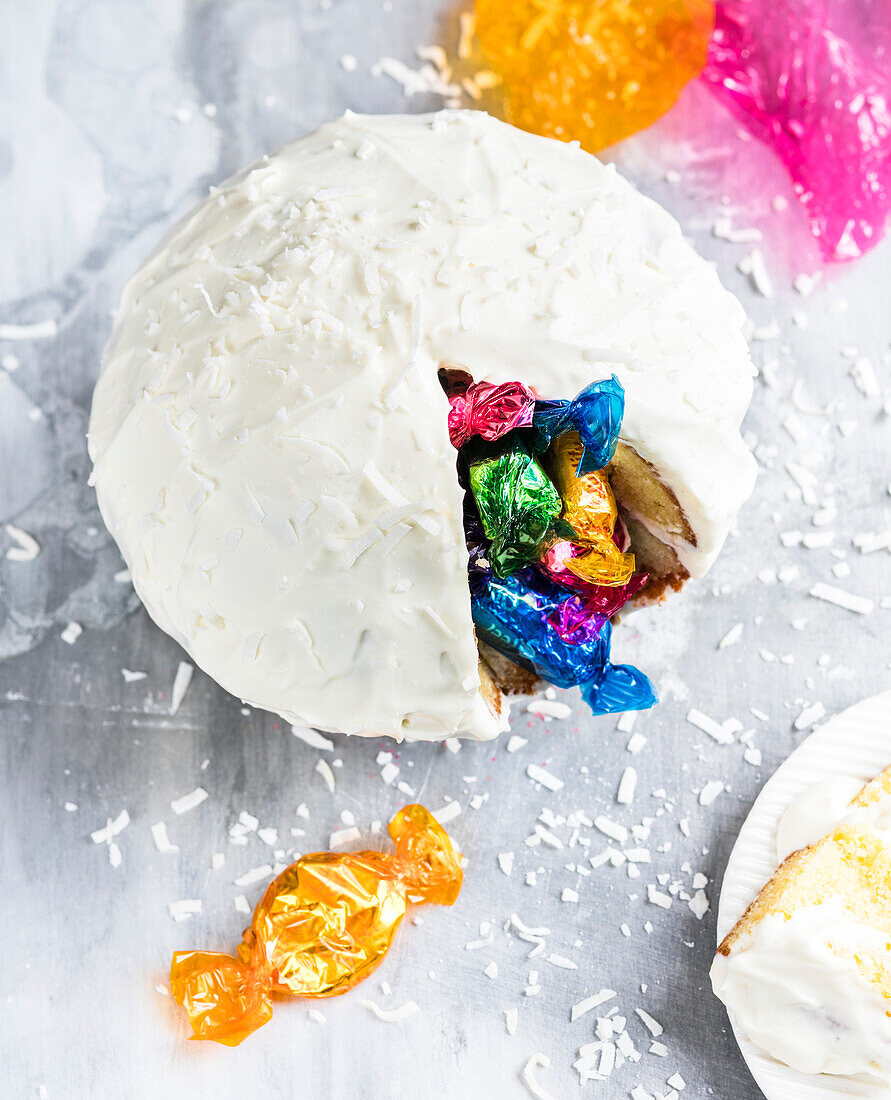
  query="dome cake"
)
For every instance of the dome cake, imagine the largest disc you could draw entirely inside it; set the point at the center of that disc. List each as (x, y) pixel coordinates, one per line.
(270, 430)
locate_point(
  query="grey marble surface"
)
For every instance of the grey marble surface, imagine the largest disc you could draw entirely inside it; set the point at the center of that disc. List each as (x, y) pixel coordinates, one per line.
(114, 116)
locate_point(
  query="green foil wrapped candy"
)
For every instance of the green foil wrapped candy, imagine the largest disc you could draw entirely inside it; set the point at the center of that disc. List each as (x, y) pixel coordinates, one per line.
(517, 504)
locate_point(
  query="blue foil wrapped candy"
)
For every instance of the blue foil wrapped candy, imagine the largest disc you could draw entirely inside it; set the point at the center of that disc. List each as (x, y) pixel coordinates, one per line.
(511, 614)
(596, 414)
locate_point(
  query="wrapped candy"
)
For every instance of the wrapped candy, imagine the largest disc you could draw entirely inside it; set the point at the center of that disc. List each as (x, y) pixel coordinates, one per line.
(581, 609)
(596, 414)
(813, 81)
(600, 562)
(575, 619)
(594, 72)
(588, 501)
(323, 925)
(565, 562)
(553, 617)
(619, 688)
(517, 504)
(489, 411)
(589, 507)
(512, 615)
(576, 623)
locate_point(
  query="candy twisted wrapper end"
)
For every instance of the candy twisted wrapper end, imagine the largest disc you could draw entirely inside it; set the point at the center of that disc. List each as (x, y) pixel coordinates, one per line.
(487, 410)
(226, 1000)
(596, 414)
(619, 688)
(429, 865)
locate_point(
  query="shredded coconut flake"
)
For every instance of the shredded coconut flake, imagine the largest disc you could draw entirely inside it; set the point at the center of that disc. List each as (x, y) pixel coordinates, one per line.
(548, 708)
(809, 715)
(699, 904)
(71, 633)
(189, 801)
(708, 725)
(537, 1061)
(26, 546)
(182, 910)
(657, 897)
(312, 738)
(391, 1015)
(540, 775)
(594, 1001)
(344, 836)
(653, 1026)
(161, 839)
(732, 636)
(710, 792)
(827, 592)
(447, 813)
(611, 829)
(627, 785)
(256, 874)
(506, 862)
(181, 681)
(324, 770)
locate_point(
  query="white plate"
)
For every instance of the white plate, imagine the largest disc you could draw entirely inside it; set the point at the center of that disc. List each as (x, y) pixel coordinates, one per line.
(856, 742)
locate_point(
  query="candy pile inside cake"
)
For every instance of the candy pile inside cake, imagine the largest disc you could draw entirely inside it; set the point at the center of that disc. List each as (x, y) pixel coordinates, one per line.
(549, 556)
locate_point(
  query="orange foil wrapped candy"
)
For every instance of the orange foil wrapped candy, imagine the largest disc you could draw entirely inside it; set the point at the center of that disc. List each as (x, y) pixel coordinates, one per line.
(590, 508)
(593, 72)
(323, 925)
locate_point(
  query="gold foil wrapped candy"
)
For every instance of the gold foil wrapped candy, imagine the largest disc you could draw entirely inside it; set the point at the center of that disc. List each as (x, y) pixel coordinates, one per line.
(590, 508)
(323, 925)
(598, 72)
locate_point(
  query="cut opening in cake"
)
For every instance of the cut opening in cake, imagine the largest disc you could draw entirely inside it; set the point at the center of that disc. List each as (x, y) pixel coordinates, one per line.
(558, 519)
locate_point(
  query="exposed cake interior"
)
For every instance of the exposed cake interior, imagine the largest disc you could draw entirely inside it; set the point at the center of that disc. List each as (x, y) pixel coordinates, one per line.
(645, 503)
(543, 590)
(641, 496)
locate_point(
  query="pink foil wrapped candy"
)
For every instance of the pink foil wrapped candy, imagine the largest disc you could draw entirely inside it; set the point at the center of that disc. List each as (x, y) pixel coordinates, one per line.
(580, 619)
(488, 410)
(812, 79)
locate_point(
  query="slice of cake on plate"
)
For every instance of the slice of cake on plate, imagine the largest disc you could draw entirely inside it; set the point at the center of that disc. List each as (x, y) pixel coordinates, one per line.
(806, 971)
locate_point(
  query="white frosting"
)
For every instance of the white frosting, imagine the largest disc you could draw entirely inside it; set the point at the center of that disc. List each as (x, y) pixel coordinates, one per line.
(816, 811)
(823, 806)
(795, 990)
(270, 439)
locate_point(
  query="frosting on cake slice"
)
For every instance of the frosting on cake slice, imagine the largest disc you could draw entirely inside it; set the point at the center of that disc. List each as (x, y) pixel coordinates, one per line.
(806, 971)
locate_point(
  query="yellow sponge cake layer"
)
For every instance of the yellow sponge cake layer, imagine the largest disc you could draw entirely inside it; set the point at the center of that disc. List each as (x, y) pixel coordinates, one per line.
(806, 971)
